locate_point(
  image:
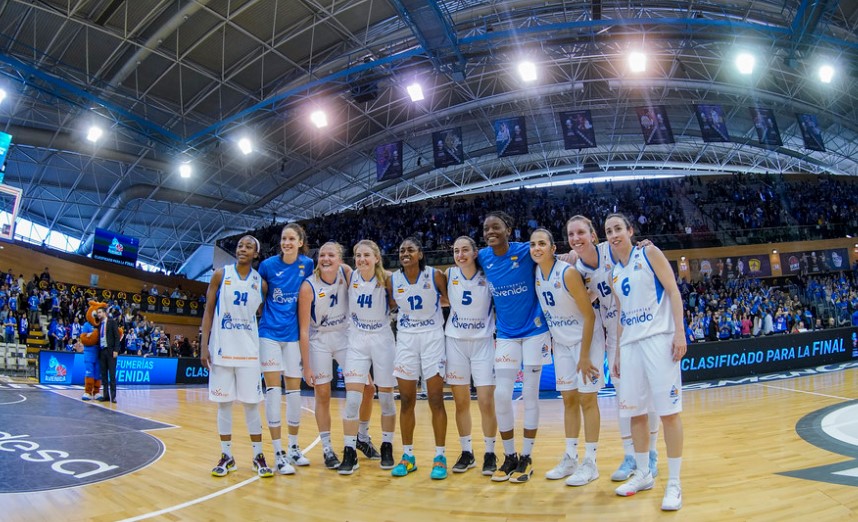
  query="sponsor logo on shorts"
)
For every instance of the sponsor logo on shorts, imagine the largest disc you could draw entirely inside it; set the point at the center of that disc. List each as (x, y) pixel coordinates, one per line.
(321, 376)
(625, 406)
(504, 359)
(453, 376)
(560, 381)
(352, 373)
(674, 394)
(402, 370)
(217, 392)
(269, 363)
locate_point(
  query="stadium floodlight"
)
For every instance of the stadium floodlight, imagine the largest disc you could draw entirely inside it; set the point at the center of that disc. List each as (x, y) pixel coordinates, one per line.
(826, 73)
(185, 170)
(527, 71)
(745, 63)
(245, 146)
(637, 61)
(415, 91)
(2, 95)
(94, 133)
(319, 119)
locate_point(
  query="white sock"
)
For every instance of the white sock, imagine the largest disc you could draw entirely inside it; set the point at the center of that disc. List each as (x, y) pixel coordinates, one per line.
(387, 436)
(642, 461)
(293, 441)
(226, 447)
(508, 446)
(350, 441)
(490, 444)
(653, 441)
(363, 431)
(408, 449)
(466, 444)
(673, 466)
(278, 446)
(257, 448)
(325, 437)
(572, 447)
(440, 451)
(629, 447)
(527, 446)
(590, 450)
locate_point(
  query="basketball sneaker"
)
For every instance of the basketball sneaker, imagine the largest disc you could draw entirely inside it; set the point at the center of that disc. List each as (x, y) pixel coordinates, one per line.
(672, 500)
(563, 469)
(284, 467)
(587, 472)
(524, 470)
(405, 466)
(625, 470)
(86, 397)
(331, 460)
(387, 455)
(510, 462)
(490, 464)
(225, 465)
(297, 458)
(439, 468)
(261, 467)
(350, 462)
(653, 463)
(466, 461)
(637, 482)
(366, 447)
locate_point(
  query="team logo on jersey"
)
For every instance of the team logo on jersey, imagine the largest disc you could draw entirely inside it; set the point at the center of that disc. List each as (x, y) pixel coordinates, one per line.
(674, 394)
(556, 284)
(608, 267)
(481, 282)
(254, 286)
(514, 260)
(638, 266)
(426, 285)
(280, 273)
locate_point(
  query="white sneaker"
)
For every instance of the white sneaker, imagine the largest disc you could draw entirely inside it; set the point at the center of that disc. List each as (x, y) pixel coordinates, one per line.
(637, 482)
(86, 397)
(587, 472)
(566, 467)
(283, 465)
(297, 458)
(672, 500)
(625, 470)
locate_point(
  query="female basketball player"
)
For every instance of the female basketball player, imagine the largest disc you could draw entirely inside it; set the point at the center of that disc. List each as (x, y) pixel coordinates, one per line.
(651, 344)
(420, 350)
(371, 343)
(577, 365)
(470, 352)
(323, 320)
(230, 350)
(595, 265)
(522, 339)
(279, 348)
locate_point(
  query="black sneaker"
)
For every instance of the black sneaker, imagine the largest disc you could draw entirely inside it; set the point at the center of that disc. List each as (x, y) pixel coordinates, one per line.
(510, 463)
(523, 471)
(490, 464)
(331, 460)
(368, 449)
(350, 462)
(466, 461)
(387, 455)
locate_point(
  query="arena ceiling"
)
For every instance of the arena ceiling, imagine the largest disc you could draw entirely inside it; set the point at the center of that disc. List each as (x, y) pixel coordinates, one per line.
(176, 81)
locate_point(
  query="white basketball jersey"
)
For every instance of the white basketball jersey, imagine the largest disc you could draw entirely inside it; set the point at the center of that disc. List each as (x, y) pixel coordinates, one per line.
(564, 318)
(597, 279)
(368, 304)
(472, 315)
(644, 305)
(329, 311)
(419, 303)
(234, 338)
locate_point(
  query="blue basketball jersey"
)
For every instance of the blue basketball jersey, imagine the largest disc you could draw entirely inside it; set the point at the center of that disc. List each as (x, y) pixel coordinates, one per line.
(511, 280)
(280, 314)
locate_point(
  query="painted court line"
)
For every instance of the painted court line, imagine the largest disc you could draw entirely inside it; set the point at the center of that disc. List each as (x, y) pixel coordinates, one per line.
(801, 391)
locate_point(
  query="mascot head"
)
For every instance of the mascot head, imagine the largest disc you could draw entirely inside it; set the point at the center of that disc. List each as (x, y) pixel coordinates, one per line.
(89, 332)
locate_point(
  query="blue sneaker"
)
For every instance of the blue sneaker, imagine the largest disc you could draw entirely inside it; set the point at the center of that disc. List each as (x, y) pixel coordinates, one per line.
(625, 470)
(405, 466)
(439, 468)
(653, 463)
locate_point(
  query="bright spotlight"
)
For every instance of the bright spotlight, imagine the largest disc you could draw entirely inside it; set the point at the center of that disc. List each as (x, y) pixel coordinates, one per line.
(245, 146)
(185, 170)
(415, 91)
(2, 95)
(527, 71)
(826, 73)
(319, 119)
(637, 61)
(745, 63)
(94, 134)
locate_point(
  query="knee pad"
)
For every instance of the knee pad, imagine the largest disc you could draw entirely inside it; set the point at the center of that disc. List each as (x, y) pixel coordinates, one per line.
(252, 418)
(272, 407)
(224, 418)
(388, 407)
(293, 407)
(530, 396)
(351, 411)
(504, 384)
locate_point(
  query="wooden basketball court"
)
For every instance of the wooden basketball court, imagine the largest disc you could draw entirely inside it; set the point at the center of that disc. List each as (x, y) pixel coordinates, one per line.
(738, 442)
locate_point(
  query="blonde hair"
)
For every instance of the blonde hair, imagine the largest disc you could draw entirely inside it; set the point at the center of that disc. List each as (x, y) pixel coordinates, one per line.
(340, 252)
(380, 273)
(586, 220)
